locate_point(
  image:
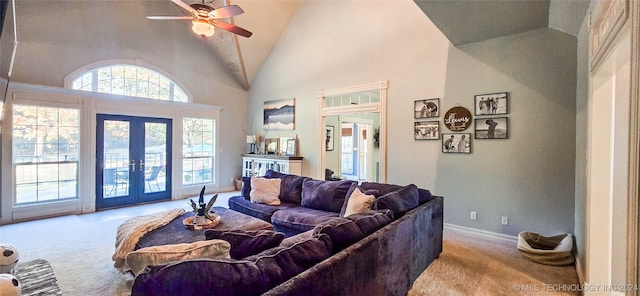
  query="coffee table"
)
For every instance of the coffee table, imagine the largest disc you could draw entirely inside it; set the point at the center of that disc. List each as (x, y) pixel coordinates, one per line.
(176, 233)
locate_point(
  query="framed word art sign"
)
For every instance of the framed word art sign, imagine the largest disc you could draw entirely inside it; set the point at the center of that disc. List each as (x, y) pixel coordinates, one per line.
(457, 119)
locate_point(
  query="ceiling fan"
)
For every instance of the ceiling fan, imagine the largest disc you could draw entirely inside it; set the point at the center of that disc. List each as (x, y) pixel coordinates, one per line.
(204, 18)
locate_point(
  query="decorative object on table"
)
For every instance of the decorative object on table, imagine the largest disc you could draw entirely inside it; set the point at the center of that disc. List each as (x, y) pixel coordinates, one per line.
(271, 146)
(456, 143)
(291, 147)
(492, 128)
(8, 258)
(491, 104)
(253, 141)
(329, 143)
(457, 119)
(280, 114)
(426, 130)
(426, 108)
(282, 144)
(549, 250)
(203, 218)
(9, 285)
(202, 209)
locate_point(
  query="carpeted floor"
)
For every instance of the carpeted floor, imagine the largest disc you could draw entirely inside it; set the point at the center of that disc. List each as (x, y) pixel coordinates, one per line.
(472, 264)
(79, 248)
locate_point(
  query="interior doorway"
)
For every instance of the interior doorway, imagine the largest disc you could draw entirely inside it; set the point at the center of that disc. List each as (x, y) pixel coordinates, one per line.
(133, 160)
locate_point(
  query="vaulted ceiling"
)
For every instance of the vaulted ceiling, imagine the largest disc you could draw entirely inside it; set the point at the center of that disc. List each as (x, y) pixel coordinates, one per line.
(462, 21)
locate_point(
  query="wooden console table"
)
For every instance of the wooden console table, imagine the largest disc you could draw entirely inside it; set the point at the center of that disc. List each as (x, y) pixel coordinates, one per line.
(257, 164)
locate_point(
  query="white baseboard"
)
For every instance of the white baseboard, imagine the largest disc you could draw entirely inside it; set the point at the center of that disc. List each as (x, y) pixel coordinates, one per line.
(485, 233)
(579, 270)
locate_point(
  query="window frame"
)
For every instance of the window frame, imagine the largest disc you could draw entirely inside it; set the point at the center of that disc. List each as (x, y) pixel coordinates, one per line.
(80, 72)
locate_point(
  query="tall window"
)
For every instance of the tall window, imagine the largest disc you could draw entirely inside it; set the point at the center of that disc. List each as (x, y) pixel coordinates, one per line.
(197, 152)
(129, 80)
(45, 153)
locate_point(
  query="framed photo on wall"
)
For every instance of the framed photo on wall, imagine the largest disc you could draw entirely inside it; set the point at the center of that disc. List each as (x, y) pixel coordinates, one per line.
(329, 141)
(456, 143)
(491, 104)
(492, 128)
(279, 114)
(426, 130)
(426, 108)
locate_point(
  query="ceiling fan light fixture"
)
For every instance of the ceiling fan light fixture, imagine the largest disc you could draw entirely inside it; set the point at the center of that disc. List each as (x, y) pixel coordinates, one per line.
(203, 28)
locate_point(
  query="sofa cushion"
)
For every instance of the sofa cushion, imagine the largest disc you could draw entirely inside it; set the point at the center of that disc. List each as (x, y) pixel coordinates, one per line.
(399, 201)
(300, 219)
(246, 242)
(358, 202)
(325, 195)
(161, 255)
(380, 188)
(246, 187)
(265, 191)
(291, 186)
(371, 221)
(260, 211)
(424, 195)
(252, 276)
(343, 232)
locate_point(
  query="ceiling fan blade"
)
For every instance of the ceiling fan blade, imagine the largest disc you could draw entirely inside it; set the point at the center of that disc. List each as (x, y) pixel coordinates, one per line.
(184, 5)
(226, 12)
(231, 28)
(160, 17)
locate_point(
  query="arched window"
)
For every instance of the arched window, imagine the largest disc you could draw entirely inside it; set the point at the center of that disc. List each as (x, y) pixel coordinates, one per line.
(129, 80)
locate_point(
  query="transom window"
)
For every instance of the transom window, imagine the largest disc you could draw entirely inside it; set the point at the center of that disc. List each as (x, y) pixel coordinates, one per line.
(129, 80)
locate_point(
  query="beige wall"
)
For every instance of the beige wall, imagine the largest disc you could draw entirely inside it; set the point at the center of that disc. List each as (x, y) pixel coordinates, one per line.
(529, 177)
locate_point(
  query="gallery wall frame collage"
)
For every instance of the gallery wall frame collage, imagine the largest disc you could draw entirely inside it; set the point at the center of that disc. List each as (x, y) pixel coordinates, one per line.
(490, 121)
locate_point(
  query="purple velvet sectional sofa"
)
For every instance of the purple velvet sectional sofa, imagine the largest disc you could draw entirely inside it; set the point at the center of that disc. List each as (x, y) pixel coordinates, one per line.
(380, 252)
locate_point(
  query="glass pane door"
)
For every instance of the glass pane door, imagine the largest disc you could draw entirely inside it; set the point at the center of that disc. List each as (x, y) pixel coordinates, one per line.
(133, 158)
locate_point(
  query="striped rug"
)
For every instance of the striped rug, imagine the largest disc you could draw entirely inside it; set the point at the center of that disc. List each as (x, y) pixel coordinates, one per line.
(37, 278)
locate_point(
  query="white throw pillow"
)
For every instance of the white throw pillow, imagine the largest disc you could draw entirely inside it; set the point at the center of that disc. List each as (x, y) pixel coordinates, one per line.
(359, 203)
(265, 191)
(161, 255)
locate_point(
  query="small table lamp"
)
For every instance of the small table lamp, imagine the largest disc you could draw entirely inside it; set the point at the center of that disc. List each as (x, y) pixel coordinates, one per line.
(252, 140)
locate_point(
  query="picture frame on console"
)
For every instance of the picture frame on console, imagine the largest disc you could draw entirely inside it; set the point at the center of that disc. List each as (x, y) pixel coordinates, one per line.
(291, 147)
(271, 146)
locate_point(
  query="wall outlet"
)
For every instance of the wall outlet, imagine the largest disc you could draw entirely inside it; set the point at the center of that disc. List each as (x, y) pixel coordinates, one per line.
(473, 215)
(505, 220)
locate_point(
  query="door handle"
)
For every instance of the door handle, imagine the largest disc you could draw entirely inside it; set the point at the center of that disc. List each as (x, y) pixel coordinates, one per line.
(141, 166)
(133, 165)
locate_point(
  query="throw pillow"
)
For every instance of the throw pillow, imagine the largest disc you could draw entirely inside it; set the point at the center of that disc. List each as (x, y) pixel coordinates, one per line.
(246, 187)
(291, 186)
(399, 201)
(324, 195)
(161, 255)
(265, 191)
(246, 242)
(343, 232)
(359, 202)
(353, 187)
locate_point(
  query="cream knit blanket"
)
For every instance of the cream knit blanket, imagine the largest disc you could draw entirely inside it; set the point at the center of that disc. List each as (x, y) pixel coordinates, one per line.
(131, 230)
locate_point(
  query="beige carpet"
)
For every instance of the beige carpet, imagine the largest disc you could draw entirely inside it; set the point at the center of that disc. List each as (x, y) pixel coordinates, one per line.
(472, 264)
(79, 248)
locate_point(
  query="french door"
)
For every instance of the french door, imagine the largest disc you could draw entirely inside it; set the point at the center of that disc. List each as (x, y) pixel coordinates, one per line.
(133, 160)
